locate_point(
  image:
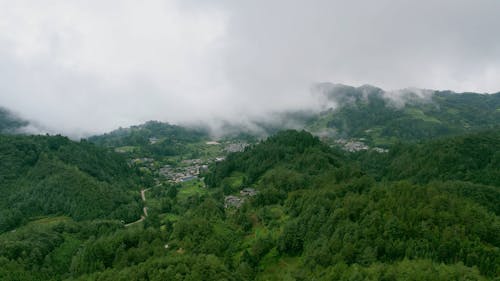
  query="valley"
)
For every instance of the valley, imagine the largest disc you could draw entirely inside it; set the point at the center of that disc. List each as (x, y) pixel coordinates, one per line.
(249, 140)
(373, 199)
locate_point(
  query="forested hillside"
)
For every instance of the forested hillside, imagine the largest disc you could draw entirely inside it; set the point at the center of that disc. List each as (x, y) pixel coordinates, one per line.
(435, 203)
(214, 140)
(153, 139)
(290, 207)
(303, 211)
(51, 175)
(366, 113)
(383, 118)
(473, 158)
(9, 123)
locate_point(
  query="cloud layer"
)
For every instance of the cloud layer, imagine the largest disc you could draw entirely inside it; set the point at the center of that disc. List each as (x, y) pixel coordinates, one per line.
(83, 67)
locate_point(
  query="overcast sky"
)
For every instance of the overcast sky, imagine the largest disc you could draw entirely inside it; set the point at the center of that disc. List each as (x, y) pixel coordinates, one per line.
(82, 67)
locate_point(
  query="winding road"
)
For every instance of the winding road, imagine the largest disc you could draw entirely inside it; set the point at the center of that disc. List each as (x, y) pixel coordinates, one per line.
(144, 210)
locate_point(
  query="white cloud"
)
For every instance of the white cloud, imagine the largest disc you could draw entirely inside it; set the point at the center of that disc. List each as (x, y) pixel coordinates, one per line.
(89, 66)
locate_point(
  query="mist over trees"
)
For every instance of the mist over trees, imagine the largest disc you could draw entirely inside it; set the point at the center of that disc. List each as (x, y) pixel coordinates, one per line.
(419, 197)
(202, 140)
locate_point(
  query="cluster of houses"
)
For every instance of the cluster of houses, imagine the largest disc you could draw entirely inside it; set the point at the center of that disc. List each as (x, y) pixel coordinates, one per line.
(380, 150)
(236, 147)
(188, 169)
(185, 173)
(357, 145)
(230, 146)
(237, 201)
(352, 145)
(143, 163)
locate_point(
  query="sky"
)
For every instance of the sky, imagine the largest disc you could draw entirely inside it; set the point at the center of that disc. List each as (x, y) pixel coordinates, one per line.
(88, 67)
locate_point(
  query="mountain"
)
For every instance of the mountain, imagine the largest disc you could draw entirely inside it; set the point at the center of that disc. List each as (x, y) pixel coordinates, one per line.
(293, 208)
(10, 123)
(52, 175)
(382, 118)
(289, 207)
(376, 116)
(165, 202)
(142, 135)
(473, 157)
(367, 113)
(152, 139)
(321, 214)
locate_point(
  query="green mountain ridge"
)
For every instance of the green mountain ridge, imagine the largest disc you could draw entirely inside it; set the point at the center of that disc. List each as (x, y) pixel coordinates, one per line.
(383, 118)
(319, 212)
(51, 175)
(292, 206)
(9, 122)
(377, 117)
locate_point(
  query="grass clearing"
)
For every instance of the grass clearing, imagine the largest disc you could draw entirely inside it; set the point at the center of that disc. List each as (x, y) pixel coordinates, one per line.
(419, 114)
(48, 221)
(190, 188)
(125, 149)
(169, 216)
(235, 180)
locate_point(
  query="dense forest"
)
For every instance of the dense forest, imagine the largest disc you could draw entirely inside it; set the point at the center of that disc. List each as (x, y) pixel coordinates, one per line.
(152, 139)
(424, 211)
(188, 140)
(384, 118)
(52, 175)
(292, 206)
(367, 113)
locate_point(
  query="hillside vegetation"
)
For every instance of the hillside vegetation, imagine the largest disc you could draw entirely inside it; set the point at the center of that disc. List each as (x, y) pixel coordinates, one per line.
(384, 118)
(152, 139)
(289, 207)
(9, 123)
(319, 213)
(51, 175)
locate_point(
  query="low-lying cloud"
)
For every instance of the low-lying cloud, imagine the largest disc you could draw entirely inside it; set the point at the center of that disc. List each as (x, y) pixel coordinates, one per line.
(83, 67)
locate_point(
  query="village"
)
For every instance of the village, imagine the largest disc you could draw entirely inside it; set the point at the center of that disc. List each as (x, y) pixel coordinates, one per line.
(355, 145)
(191, 170)
(233, 201)
(184, 170)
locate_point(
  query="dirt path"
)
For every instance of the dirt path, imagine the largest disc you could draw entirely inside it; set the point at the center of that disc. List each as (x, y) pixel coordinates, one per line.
(137, 221)
(144, 210)
(143, 194)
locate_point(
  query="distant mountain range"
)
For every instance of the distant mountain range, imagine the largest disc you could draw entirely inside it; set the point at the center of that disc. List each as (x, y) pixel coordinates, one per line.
(391, 185)
(382, 117)
(9, 122)
(368, 113)
(375, 116)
